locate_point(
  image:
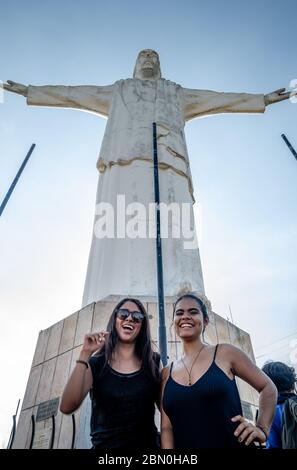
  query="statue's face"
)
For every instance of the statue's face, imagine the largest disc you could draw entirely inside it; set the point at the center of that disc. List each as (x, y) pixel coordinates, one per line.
(147, 65)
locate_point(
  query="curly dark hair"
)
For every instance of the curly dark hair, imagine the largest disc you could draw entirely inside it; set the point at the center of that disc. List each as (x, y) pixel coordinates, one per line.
(283, 376)
(143, 346)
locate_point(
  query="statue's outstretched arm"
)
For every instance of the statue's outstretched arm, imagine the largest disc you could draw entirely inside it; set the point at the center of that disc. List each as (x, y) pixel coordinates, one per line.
(278, 95)
(200, 103)
(15, 87)
(95, 99)
(204, 102)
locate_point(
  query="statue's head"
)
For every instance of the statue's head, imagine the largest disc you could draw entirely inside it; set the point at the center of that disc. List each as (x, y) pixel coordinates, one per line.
(147, 65)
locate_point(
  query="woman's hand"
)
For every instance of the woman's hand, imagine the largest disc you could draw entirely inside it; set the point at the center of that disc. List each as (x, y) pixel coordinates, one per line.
(94, 342)
(248, 432)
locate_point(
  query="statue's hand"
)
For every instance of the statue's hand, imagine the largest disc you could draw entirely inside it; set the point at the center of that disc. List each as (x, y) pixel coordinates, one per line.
(278, 95)
(16, 88)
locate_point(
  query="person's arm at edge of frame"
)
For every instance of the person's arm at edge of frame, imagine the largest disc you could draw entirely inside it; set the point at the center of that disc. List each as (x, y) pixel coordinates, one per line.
(167, 439)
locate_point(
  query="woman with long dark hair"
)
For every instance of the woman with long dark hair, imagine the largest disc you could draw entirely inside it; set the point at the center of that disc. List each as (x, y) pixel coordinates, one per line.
(201, 406)
(120, 370)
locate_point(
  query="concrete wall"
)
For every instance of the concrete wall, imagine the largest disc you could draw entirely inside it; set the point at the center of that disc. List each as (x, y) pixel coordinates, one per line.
(58, 347)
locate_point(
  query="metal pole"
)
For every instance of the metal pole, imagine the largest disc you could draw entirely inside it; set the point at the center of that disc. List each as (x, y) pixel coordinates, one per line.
(53, 432)
(162, 327)
(12, 434)
(13, 184)
(73, 431)
(289, 145)
(33, 431)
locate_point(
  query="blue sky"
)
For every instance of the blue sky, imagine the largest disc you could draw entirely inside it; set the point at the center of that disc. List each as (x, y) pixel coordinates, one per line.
(244, 176)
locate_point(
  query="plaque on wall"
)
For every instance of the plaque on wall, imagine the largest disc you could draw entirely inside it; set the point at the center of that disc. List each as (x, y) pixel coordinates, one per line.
(42, 438)
(47, 409)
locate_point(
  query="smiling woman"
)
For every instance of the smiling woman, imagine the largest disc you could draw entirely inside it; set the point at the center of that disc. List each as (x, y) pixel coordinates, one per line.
(207, 388)
(118, 366)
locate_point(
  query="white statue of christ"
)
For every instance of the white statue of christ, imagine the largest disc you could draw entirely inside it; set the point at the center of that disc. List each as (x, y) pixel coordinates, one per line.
(126, 265)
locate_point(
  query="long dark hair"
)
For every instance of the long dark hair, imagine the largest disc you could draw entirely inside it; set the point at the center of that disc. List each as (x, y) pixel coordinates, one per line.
(143, 346)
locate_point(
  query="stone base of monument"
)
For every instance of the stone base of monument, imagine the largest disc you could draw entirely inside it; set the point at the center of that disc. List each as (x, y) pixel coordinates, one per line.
(42, 425)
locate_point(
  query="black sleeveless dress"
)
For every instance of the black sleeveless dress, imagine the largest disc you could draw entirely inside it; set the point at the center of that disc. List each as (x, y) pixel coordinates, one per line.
(201, 414)
(123, 407)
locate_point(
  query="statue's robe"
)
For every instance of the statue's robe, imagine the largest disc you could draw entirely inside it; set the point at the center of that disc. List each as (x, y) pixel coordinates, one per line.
(127, 266)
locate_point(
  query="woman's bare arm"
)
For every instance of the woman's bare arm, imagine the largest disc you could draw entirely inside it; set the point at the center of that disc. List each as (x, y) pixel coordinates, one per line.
(167, 440)
(243, 367)
(81, 379)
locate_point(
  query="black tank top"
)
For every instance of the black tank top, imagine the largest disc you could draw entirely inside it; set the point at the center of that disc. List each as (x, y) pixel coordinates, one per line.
(123, 407)
(201, 414)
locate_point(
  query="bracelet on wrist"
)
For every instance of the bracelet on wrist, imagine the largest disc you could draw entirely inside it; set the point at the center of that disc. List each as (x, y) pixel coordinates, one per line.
(79, 361)
(263, 430)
